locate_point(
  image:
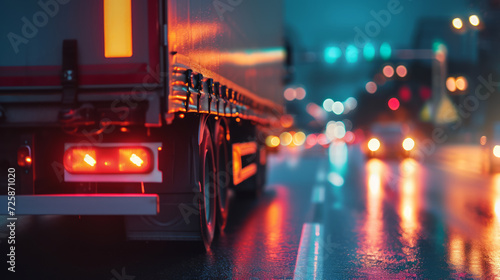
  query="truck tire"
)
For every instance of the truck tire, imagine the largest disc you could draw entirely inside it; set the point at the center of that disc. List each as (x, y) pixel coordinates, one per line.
(208, 186)
(223, 173)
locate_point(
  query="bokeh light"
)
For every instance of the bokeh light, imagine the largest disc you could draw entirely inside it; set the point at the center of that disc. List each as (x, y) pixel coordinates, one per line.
(408, 144)
(385, 51)
(332, 54)
(401, 71)
(327, 104)
(338, 108)
(350, 103)
(290, 94)
(496, 151)
(351, 54)
(393, 103)
(388, 71)
(461, 83)
(457, 23)
(474, 20)
(405, 93)
(300, 93)
(450, 84)
(371, 87)
(272, 141)
(286, 138)
(299, 138)
(311, 140)
(373, 144)
(369, 52)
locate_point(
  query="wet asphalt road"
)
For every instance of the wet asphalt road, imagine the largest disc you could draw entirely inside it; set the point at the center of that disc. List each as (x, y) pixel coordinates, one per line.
(326, 214)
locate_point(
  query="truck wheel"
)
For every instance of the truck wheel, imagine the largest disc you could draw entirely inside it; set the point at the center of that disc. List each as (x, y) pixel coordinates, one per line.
(207, 200)
(224, 175)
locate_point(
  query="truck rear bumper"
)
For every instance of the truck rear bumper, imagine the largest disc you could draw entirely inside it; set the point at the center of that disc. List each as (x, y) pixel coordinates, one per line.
(85, 204)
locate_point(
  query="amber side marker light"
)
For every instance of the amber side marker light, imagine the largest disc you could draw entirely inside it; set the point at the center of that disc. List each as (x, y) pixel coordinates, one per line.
(24, 157)
(108, 160)
(117, 28)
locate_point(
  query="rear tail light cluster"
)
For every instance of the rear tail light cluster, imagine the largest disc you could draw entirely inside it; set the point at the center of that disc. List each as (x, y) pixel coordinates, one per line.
(108, 160)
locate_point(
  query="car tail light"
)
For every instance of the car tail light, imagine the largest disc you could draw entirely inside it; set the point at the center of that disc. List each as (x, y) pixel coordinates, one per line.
(108, 160)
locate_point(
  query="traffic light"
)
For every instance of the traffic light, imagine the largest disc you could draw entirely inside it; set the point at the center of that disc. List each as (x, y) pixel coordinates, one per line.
(369, 52)
(332, 54)
(351, 54)
(385, 51)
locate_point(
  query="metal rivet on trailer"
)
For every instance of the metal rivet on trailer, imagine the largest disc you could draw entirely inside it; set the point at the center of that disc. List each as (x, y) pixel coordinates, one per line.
(210, 84)
(188, 77)
(223, 91)
(198, 81)
(216, 89)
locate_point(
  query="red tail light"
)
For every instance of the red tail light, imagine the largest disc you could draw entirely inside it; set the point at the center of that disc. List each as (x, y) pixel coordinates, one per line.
(108, 160)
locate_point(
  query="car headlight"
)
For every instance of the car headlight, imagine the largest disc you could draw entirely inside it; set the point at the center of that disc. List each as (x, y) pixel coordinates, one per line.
(373, 144)
(408, 144)
(496, 151)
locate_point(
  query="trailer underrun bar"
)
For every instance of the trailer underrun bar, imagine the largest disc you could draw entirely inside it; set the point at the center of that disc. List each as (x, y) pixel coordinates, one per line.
(85, 204)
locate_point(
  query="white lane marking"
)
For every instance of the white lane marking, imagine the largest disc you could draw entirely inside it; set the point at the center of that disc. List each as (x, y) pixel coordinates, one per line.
(321, 175)
(318, 194)
(309, 263)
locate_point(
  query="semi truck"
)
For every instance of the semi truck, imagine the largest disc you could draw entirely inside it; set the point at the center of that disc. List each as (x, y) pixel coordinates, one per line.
(150, 110)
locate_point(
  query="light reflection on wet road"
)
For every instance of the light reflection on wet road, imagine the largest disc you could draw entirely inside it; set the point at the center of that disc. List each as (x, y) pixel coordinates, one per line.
(407, 219)
(382, 218)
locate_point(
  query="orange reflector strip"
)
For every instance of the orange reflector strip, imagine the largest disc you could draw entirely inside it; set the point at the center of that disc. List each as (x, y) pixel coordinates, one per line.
(117, 28)
(241, 173)
(108, 160)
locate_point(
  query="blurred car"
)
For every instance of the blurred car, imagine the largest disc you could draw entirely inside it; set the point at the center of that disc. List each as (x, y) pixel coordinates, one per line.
(389, 140)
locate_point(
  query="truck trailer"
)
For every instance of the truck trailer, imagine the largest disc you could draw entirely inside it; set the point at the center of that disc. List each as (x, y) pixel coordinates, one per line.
(151, 110)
